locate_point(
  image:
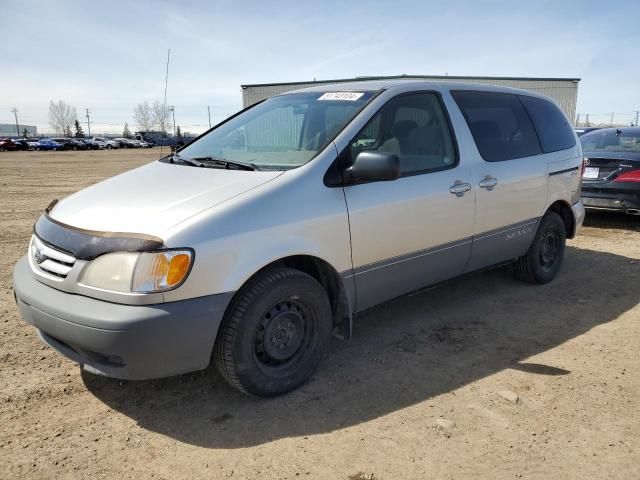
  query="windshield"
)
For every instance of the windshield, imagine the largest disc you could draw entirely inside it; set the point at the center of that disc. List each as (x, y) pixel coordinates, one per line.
(611, 141)
(282, 132)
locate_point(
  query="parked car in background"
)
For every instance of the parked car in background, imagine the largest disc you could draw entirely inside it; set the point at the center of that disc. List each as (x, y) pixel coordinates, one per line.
(145, 144)
(90, 144)
(32, 143)
(21, 144)
(611, 178)
(122, 142)
(6, 144)
(71, 143)
(48, 144)
(582, 130)
(395, 185)
(106, 142)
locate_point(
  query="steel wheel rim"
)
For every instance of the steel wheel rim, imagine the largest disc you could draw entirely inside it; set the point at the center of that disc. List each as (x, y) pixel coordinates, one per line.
(550, 250)
(285, 336)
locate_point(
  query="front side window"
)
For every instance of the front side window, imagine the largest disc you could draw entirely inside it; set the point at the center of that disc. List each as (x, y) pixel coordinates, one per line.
(499, 124)
(413, 127)
(611, 141)
(282, 132)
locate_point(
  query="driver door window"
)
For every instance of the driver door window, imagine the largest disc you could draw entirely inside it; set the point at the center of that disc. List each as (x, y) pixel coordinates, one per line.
(414, 128)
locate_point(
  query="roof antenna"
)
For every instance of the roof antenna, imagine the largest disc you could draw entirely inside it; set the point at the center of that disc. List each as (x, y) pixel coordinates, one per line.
(164, 105)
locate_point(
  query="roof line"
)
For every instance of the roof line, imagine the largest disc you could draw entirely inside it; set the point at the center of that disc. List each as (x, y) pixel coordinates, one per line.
(451, 78)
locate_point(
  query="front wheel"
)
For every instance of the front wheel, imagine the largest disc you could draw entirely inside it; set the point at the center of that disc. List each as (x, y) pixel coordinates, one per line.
(543, 260)
(272, 337)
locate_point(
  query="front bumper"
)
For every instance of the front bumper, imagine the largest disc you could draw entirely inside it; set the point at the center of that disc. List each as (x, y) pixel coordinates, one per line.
(122, 341)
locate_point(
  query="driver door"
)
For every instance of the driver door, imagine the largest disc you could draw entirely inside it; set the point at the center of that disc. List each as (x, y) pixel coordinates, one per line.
(413, 231)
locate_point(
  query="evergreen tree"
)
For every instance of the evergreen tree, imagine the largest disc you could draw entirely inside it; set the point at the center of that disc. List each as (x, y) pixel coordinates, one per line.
(79, 132)
(178, 133)
(67, 131)
(126, 133)
(25, 134)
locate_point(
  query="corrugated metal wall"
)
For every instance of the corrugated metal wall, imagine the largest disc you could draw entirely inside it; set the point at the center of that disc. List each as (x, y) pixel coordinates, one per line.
(563, 91)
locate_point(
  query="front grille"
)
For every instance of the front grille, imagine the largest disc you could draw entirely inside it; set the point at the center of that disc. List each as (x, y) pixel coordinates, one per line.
(49, 260)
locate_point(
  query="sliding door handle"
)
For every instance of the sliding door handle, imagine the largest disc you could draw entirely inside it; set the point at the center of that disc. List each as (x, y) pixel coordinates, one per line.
(488, 182)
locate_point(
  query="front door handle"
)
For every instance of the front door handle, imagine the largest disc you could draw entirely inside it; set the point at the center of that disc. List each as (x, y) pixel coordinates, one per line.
(459, 188)
(488, 182)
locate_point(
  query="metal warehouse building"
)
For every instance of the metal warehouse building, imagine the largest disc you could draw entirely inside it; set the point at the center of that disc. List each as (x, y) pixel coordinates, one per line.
(563, 90)
(9, 130)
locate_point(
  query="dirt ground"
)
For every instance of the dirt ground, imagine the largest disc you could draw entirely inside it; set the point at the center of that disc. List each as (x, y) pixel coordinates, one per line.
(415, 394)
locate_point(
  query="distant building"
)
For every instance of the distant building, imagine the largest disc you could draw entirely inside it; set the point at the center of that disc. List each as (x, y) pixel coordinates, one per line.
(9, 130)
(563, 90)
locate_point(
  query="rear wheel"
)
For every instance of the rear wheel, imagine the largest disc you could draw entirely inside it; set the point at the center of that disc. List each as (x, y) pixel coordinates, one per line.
(272, 337)
(543, 260)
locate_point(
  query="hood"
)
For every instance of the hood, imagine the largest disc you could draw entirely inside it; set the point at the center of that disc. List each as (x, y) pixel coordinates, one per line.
(154, 198)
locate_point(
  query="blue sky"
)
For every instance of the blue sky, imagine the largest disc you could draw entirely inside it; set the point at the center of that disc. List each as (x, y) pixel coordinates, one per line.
(109, 56)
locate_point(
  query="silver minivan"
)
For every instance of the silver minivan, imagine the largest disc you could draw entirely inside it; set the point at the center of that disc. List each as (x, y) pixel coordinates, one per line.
(268, 233)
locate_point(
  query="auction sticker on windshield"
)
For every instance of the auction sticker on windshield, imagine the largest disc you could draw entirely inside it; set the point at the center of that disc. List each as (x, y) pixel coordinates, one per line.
(348, 96)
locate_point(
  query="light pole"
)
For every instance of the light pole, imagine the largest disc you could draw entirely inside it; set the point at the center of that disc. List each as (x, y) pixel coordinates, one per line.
(88, 123)
(172, 109)
(209, 111)
(15, 113)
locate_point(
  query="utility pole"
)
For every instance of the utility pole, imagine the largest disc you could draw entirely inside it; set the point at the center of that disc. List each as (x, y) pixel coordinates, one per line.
(209, 111)
(611, 122)
(587, 122)
(578, 120)
(88, 123)
(172, 109)
(15, 113)
(636, 113)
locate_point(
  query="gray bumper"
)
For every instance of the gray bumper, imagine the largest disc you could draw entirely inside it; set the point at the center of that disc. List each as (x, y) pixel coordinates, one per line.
(122, 341)
(578, 214)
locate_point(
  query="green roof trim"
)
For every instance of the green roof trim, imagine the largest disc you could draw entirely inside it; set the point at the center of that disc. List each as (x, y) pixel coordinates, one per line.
(451, 78)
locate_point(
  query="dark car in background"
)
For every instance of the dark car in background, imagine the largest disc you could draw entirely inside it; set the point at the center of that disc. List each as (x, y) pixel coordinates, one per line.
(6, 144)
(125, 142)
(90, 144)
(71, 143)
(611, 177)
(21, 143)
(582, 130)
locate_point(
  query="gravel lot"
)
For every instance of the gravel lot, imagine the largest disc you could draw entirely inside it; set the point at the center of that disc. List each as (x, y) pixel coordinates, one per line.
(484, 377)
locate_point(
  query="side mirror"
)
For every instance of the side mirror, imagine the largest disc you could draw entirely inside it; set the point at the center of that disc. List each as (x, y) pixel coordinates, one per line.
(373, 166)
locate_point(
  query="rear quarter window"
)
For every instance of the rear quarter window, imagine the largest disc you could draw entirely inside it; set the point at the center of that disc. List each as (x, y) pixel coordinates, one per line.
(500, 126)
(552, 126)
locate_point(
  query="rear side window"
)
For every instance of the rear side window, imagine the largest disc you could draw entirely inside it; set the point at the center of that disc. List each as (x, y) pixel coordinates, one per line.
(499, 124)
(552, 126)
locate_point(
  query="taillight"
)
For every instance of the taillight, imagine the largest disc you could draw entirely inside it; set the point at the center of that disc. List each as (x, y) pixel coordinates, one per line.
(632, 176)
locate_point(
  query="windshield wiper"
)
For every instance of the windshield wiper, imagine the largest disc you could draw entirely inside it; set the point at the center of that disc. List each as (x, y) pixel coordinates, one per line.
(227, 164)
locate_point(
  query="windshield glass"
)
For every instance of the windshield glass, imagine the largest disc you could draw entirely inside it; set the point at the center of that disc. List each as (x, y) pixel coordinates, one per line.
(282, 132)
(611, 141)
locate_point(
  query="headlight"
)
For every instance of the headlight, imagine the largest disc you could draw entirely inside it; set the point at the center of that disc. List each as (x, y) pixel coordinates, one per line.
(138, 272)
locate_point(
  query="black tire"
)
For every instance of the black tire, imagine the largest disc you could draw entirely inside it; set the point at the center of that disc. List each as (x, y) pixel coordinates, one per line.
(543, 260)
(272, 337)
